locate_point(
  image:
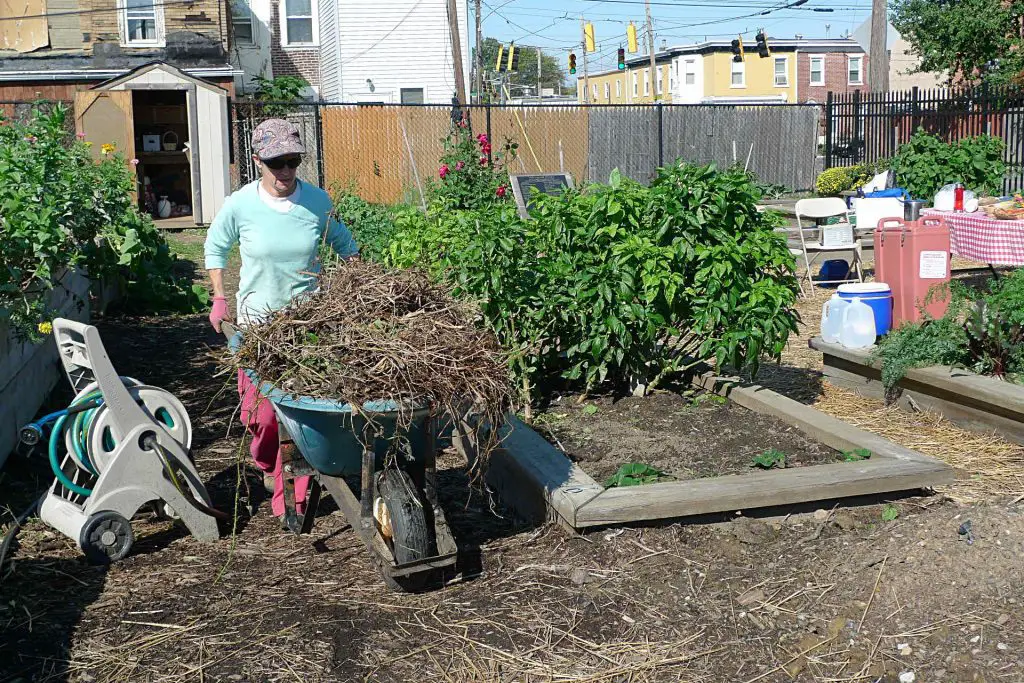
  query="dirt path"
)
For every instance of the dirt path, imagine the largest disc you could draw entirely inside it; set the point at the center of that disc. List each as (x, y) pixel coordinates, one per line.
(829, 595)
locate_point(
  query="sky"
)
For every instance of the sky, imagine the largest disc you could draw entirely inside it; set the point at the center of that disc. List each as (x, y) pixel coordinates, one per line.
(554, 25)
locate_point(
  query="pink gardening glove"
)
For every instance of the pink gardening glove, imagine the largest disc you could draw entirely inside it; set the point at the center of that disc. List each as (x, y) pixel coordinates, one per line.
(218, 312)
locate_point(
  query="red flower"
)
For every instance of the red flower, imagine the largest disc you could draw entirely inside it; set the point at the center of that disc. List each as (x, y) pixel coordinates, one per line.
(500, 191)
(460, 165)
(462, 123)
(443, 171)
(482, 138)
(486, 149)
(483, 161)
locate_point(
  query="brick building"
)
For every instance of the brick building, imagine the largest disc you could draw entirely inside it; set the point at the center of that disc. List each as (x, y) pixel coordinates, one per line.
(841, 66)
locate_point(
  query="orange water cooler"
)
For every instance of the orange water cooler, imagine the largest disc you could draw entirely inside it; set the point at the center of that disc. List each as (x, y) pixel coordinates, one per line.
(912, 257)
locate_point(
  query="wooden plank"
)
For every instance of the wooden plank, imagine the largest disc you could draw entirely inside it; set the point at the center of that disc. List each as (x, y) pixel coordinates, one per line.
(829, 430)
(762, 489)
(532, 475)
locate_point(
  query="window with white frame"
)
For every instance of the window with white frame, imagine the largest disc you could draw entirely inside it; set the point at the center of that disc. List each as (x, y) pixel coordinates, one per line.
(636, 84)
(672, 73)
(241, 23)
(658, 84)
(300, 25)
(818, 70)
(647, 82)
(141, 22)
(618, 88)
(781, 72)
(855, 70)
(739, 75)
(593, 91)
(608, 92)
(690, 72)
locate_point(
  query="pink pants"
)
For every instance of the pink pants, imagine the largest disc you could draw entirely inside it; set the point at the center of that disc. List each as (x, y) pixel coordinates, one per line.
(258, 417)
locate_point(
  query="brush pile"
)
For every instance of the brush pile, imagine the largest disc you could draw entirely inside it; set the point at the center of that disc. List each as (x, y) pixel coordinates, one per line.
(372, 334)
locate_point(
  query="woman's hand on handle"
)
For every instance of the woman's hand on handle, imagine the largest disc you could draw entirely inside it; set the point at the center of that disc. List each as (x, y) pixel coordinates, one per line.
(219, 312)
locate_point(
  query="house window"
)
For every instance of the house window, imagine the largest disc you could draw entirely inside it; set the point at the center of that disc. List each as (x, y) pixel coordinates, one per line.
(855, 70)
(593, 91)
(411, 95)
(690, 72)
(241, 23)
(647, 82)
(739, 75)
(636, 84)
(672, 72)
(618, 88)
(781, 72)
(299, 22)
(607, 92)
(141, 22)
(817, 71)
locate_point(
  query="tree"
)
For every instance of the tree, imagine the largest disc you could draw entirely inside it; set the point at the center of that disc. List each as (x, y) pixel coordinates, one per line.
(976, 40)
(551, 76)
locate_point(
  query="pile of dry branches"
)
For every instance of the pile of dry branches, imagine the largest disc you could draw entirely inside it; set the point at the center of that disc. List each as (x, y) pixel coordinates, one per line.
(370, 334)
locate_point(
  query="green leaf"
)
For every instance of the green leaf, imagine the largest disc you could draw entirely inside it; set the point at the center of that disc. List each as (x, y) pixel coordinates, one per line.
(636, 474)
(770, 459)
(889, 513)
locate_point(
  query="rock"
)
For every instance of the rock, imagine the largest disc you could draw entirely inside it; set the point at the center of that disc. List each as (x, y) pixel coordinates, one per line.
(750, 597)
(976, 639)
(821, 515)
(1002, 646)
(753, 532)
(845, 521)
(1002, 619)
(907, 677)
(905, 650)
(580, 576)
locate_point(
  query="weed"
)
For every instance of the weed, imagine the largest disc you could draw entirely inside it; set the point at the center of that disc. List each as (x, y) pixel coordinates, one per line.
(856, 455)
(889, 513)
(770, 459)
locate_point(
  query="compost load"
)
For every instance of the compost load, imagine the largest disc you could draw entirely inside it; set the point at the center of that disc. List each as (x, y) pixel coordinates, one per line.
(368, 333)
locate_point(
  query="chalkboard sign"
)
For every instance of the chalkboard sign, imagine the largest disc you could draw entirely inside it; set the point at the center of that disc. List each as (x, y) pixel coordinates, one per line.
(548, 183)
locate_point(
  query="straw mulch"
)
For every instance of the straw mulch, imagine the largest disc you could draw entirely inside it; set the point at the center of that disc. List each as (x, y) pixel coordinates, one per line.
(369, 334)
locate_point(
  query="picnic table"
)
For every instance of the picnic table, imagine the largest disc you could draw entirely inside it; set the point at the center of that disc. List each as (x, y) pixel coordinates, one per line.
(979, 237)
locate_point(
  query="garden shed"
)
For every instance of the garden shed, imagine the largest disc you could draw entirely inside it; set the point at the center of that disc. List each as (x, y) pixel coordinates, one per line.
(176, 125)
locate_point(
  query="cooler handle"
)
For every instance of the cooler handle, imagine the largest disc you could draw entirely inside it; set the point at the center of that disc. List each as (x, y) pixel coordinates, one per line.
(931, 221)
(892, 223)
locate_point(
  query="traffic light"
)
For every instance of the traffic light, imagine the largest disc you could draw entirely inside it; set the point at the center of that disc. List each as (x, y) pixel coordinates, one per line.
(631, 37)
(622, 59)
(513, 57)
(499, 65)
(763, 49)
(588, 37)
(737, 49)
(572, 62)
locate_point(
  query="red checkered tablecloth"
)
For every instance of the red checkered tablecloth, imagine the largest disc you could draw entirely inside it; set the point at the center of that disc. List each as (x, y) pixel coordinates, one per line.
(979, 237)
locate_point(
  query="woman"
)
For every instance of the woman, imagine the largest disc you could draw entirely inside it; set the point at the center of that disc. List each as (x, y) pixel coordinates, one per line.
(279, 223)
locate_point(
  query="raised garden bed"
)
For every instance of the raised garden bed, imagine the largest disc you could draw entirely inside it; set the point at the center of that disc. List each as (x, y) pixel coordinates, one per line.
(972, 401)
(539, 479)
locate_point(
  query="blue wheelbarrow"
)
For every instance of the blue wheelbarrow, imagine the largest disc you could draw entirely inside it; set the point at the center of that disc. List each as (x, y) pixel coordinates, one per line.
(394, 508)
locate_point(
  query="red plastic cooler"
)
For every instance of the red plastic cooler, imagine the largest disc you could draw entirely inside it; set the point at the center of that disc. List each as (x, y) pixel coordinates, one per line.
(912, 257)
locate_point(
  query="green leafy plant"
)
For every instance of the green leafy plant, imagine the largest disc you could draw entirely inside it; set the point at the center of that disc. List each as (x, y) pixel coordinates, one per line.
(61, 210)
(471, 174)
(856, 455)
(373, 225)
(925, 164)
(890, 513)
(590, 409)
(282, 92)
(770, 459)
(636, 474)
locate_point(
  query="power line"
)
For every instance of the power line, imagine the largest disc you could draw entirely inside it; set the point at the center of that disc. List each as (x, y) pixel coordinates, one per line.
(166, 3)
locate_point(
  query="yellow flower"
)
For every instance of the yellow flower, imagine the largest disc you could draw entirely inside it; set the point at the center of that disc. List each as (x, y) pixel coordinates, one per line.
(88, 144)
(106, 149)
(45, 328)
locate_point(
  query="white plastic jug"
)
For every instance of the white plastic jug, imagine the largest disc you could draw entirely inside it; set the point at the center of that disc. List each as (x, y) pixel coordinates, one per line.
(832, 318)
(858, 330)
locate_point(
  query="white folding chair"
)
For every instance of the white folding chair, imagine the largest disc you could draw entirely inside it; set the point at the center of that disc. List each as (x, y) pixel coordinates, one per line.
(830, 238)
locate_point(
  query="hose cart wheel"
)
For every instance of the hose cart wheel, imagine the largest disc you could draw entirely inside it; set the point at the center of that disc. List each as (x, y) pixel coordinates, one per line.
(106, 537)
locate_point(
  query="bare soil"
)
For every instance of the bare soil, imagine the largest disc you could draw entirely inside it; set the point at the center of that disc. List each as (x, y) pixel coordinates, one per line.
(687, 436)
(801, 595)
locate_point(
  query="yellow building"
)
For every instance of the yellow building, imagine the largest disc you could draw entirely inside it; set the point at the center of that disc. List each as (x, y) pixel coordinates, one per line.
(707, 73)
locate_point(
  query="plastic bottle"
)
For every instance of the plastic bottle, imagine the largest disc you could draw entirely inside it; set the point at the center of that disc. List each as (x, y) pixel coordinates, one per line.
(958, 197)
(832, 318)
(858, 330)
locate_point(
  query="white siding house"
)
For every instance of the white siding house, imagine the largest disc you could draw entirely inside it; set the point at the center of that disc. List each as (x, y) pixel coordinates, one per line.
(389, 51)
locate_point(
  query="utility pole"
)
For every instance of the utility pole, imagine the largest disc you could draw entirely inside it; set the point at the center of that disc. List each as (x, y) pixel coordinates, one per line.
(453, 31)
(478, 61)
(583, 42)
(539, 94)
(878, 59)
(650, 42)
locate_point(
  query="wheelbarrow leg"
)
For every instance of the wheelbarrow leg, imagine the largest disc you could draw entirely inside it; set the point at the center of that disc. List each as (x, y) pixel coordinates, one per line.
(366, 489)
(294, 465)
(430, 462)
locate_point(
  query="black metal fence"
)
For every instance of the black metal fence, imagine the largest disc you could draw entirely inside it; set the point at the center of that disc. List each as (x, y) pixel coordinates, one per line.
(863, 128)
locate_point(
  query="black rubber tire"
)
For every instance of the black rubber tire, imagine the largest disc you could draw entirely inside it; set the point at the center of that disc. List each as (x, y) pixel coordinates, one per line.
(106, 537)
(412, 537)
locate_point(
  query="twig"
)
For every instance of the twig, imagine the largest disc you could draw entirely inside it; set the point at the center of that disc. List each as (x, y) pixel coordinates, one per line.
(872, 596)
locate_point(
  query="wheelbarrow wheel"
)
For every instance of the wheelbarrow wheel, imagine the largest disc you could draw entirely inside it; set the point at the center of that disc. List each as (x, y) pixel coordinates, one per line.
(411, 537)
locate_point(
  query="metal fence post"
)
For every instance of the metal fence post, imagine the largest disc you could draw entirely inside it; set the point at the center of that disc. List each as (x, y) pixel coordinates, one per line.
(488, 110)
(915, 109)
(231, 131)
(661, 136)
(858, 127)
(829, 111)
(318, 126)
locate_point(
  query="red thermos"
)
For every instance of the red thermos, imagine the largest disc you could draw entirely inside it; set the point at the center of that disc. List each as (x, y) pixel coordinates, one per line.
(958, 197)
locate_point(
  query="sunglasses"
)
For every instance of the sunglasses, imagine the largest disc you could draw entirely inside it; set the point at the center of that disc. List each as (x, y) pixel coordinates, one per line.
(278, 164)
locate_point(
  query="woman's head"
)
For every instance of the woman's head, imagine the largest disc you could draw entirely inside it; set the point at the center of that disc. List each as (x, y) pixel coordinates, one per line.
(277, 149)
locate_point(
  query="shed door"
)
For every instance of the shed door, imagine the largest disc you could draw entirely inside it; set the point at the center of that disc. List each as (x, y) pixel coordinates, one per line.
(104, 117)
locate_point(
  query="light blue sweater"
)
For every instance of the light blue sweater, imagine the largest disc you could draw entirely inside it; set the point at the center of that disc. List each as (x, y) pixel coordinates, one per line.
(278, 249)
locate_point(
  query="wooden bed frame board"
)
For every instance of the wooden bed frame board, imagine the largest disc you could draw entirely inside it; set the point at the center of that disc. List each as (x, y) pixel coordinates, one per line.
(975, 402)
(540, 481)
